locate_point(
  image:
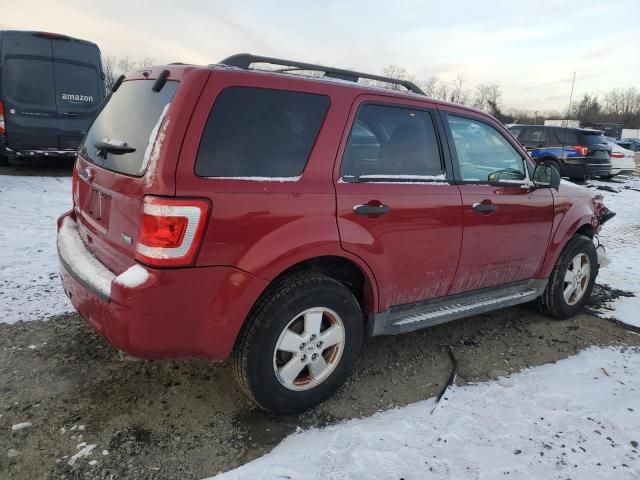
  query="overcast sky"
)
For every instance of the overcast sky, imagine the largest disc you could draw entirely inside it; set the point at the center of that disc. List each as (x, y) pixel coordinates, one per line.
(531, 48)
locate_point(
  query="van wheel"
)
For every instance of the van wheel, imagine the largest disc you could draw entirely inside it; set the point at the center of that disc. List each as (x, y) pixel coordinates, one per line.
(571, 280)
(4, 160)
(299, 344)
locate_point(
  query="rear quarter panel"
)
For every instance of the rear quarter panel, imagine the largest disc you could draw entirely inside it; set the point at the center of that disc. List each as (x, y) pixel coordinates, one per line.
(264, 227)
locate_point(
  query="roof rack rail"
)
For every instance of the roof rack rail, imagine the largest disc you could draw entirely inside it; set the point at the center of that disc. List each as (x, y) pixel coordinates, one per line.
(244, 60)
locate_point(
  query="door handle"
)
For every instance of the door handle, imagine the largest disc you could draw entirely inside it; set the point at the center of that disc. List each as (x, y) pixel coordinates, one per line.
(371, 209)
(486, 207)
(70, 114)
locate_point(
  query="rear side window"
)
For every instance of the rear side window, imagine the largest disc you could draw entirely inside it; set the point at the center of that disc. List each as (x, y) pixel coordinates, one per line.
(256, 132)
(132, 113)
(392, 143)
(29, 81)
(566, 137)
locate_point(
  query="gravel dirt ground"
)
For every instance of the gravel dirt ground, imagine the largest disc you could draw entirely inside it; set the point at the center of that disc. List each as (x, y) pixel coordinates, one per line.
(188, 420)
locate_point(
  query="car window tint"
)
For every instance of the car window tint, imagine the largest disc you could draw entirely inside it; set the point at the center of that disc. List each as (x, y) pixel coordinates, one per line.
(515, 131)
(566, 136)
(392, 143)
(132, 115)
(256, 132)
(483, 152)
(533, 135)
(593, 138)
(78, 87)
(29, 81)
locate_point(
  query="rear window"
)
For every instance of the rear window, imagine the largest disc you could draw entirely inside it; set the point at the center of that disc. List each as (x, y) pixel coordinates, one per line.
(132, 113)
(78, 87)
(29, 81)
(255, 132)
(593, 138)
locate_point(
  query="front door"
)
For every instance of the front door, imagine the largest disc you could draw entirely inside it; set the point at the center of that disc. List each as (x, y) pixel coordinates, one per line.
(507, 223)
(396, 208)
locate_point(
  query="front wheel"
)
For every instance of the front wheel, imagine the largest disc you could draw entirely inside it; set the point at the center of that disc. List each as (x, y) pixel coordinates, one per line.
(300, 343)
(571, 280)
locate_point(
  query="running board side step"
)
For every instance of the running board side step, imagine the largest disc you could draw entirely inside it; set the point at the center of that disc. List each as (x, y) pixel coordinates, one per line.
(406, 318)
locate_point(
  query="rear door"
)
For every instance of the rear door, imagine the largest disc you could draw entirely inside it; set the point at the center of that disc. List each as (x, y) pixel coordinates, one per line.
(396, 209)
(79, 88)
(111, 185)
(28, 93)
(598, 149)
(507, 224)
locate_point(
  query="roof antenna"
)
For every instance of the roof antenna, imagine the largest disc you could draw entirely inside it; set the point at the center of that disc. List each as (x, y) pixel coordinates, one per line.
(566, 122)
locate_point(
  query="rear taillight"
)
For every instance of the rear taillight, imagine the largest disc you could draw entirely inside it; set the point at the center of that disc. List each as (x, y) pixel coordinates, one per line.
(171, 230)
(582, 150)
(617, 155)
(2, 130)
(74, 184)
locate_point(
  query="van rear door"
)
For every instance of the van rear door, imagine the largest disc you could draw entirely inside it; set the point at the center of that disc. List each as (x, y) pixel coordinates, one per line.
(28, 92)
(79, 89)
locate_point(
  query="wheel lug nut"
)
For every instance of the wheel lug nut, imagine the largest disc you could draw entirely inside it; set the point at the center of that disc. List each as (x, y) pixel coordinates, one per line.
(314, 356)
(319, 344)
(303, 358)
(313, 337)
(302, 346)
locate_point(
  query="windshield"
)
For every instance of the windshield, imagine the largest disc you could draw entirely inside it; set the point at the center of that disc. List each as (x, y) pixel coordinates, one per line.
(132, 113)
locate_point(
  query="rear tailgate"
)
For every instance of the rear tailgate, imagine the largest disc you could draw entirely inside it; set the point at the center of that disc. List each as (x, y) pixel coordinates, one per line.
(111, 184)
(599, 150)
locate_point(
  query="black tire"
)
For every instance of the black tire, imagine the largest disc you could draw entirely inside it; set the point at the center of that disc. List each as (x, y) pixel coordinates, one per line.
(552, 302)
(253, 356)
(553, 163)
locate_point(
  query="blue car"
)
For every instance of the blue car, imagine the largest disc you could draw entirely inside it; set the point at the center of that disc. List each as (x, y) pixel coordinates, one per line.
(577, 153)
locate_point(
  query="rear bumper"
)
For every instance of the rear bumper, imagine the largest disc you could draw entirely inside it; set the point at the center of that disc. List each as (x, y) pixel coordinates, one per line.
(173, 313)
(583, 169)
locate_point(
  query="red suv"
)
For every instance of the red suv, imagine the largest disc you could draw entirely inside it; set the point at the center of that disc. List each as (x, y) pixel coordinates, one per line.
(279, 219)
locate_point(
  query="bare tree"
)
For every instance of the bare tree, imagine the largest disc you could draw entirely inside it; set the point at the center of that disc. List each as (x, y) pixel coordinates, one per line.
(113, 67)
(487, 95)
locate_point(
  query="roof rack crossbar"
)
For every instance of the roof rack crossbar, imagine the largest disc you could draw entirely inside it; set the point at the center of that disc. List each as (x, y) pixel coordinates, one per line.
(244, 60)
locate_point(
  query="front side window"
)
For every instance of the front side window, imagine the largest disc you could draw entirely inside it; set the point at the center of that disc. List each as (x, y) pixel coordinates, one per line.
(484, 155)
(257, 132)
(534, 136)
(392, 143)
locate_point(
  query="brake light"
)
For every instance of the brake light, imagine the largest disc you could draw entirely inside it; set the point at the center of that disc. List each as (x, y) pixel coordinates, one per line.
(2, 130)
(171, 230)
(74, 184)
(582, 150)
(617, 155)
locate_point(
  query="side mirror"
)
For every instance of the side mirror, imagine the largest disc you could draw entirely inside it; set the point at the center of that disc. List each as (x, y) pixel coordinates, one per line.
(546, 176)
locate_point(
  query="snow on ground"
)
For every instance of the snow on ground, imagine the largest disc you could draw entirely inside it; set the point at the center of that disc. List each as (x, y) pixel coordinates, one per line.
(621, 238)
(577, 419)
(29, 284)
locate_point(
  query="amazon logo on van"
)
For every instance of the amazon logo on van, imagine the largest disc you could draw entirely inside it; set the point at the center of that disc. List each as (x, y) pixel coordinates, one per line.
(73, 98)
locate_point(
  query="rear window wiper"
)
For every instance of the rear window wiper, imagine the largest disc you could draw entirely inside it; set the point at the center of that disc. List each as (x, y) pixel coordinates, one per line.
(115, 147)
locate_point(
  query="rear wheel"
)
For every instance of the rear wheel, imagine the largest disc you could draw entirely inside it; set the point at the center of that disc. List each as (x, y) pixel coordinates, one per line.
(553, 163)
(571, 280)
(299, 344)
